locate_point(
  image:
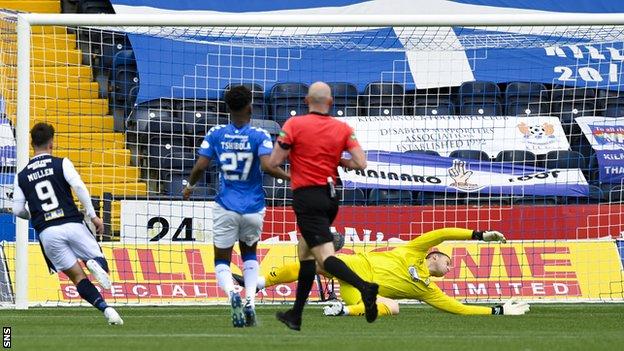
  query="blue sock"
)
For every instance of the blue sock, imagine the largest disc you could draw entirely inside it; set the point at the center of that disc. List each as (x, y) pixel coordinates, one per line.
(89, 293)
(103, 263)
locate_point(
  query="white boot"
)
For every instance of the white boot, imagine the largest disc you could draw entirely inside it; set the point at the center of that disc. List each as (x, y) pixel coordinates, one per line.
(112, 316)
(99, 273)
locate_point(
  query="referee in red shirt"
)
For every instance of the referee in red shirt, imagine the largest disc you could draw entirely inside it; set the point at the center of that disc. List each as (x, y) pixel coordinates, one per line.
(315, 143)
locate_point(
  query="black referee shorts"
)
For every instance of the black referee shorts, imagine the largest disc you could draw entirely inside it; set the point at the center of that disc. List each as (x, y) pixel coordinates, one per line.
(315, 211)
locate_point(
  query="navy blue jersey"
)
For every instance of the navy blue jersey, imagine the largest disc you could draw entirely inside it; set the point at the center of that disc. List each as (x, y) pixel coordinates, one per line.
(47, 193)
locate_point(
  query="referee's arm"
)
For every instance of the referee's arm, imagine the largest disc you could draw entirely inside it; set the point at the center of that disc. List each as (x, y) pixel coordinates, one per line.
(357, 160)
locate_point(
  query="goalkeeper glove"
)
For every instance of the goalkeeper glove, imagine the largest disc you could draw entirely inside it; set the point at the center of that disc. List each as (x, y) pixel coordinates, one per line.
(511, 308)
(336, 308)
(489, 235)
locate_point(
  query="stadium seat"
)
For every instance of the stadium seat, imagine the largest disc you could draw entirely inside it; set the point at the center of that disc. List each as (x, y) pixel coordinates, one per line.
(277, 191)
(477, 199)
(535, 200)
(481, 109)
(479, 92)
(532, 92)
(286, 100)
(565, 159)
(516, 156)
(95, 6)
(162, 147)
(470, 155)
(389, 197)
(270, 126)
(596, 195)
(200, 115)
(138, 120)
(614, 109)
(345, 99)
(257, 98)
(428, 198)
(527, 109)
(352, 196)
(173, 183)
(124, 76)
(382, 99)
(434, 110)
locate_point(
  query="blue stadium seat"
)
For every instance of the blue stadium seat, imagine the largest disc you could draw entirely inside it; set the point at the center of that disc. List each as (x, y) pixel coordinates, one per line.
(616, 194)
(481, 109)
(515, 156)
(525, 92)
(479, 92)
(382, 99)
(352, 196)
(596, 195)
(270, 126)
(140, 116)
(204, 122)
(428, 198)
(124, 77)
(565, 159)
(258, 108)
(345, 99)
(527, 109)
(614, 109)
(277, 191)
(434, 110)
(161, 147)
(477, 199)
(286, 100)
(173, 184)
(389, 197)
(470, 155)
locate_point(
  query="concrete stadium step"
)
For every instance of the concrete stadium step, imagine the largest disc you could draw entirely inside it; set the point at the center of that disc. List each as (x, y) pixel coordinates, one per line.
(39, 6)
(57, 90)
(51, 107)
(43, 74)
(117, 189)
(89, 141)
(46, 57)
(117, 174)
(62, 41)
(84, 158)
(78, 124)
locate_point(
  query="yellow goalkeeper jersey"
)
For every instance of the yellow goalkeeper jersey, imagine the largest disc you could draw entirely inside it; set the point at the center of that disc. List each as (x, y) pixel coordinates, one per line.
(402, 273)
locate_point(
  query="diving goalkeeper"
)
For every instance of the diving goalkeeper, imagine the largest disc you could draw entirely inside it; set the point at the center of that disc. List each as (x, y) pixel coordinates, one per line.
(403, 273)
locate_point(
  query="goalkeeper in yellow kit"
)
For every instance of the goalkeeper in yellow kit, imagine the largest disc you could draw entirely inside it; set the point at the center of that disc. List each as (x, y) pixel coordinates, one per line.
(403, 273)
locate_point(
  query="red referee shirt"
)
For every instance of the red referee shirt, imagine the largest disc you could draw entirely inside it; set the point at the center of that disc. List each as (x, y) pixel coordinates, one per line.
(316, 145)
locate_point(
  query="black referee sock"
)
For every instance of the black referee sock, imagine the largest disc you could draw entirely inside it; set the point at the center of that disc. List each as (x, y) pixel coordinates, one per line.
(89, 293)
(307, 272)
(336, 267)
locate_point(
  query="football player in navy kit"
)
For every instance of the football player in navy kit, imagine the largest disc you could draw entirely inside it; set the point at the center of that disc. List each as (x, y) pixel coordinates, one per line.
(46, 184)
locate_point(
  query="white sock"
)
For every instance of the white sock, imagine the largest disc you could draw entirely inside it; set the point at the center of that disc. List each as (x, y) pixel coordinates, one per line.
(224, 278)
(250, 275)
(261, 282)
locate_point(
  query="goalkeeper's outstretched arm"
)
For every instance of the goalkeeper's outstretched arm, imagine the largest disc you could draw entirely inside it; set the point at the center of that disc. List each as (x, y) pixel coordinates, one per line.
(435, 237)
(438, 299)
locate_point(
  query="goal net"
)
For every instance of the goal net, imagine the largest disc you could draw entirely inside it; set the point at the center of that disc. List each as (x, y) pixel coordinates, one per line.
(510, 128)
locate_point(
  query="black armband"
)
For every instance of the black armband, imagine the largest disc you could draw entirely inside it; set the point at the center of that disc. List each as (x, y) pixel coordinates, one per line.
(477, 234)
(497, 310)
(284, 146)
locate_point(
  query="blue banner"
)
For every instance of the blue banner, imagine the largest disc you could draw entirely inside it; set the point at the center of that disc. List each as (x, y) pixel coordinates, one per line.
(198, 63)
(422, 172)
(606, 136)
(7, 145)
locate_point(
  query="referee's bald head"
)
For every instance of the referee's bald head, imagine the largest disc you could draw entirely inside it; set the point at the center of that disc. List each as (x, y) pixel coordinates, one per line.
(319, 97)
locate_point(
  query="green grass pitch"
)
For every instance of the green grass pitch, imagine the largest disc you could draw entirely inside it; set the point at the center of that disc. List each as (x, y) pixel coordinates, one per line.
(546, 327)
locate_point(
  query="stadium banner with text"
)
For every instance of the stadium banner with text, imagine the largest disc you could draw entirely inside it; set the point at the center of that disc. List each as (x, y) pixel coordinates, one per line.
(606, 136)
(393, 170)
(444, 134)
(354, 57)
(191, 220)
(544, 270)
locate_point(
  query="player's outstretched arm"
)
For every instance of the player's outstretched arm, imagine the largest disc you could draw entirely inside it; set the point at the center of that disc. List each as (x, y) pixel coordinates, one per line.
(198, 170)
(438, 299)
(435, 237)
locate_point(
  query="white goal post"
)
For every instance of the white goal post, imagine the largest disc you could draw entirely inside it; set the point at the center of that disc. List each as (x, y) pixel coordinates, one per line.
(26, 21)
